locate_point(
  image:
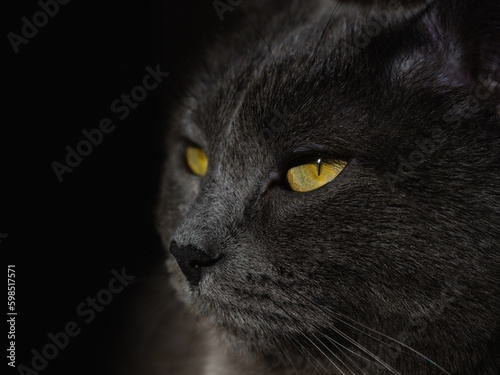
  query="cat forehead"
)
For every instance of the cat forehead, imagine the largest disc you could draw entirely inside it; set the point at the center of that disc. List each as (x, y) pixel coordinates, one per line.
(290, 94)
(291, 80)
(268, 69)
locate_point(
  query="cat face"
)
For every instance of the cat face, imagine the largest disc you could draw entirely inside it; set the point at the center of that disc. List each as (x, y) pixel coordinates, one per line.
(400, 240)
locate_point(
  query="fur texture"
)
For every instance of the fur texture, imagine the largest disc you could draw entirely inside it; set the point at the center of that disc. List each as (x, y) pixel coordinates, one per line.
(394, 265)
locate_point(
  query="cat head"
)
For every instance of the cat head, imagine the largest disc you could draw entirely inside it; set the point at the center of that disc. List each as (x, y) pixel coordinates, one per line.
(400, 243)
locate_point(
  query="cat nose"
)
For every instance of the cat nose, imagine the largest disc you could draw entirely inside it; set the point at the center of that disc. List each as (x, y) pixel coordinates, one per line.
(192, 260)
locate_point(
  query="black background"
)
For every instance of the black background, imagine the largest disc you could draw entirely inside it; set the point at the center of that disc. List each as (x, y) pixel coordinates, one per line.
(65, 238)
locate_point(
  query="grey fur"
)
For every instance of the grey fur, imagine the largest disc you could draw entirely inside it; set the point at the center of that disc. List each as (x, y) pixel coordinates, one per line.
(409, 251)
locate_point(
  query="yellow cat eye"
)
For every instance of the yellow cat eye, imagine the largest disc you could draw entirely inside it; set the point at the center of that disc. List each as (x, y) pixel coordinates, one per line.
(197, 160)
(313, 175)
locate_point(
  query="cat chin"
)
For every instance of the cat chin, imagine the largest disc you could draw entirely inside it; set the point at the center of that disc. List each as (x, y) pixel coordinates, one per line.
(238, 334)
(241, 337)
(263, 353)
(270, 354)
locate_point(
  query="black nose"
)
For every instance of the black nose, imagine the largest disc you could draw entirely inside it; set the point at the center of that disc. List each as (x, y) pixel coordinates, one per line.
(192, 260)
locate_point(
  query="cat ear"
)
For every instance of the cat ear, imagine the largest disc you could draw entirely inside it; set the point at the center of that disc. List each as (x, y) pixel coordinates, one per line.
(462, 41)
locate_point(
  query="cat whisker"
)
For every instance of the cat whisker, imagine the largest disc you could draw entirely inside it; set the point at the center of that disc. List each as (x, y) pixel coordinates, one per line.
(346, 355)
(373, 337)
(332, 14)
(362, 348)
(339, 348)
(337, 357)
(260, 35)
(366, 351)
(350, 339)
(329, 359)
(288, 357)
(411, 350)
(307, 355)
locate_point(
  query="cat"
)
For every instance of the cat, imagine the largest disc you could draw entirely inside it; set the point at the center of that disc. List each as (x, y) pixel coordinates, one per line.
(330, 196)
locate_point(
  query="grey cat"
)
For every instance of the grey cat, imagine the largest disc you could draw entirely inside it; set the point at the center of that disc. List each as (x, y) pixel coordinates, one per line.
(330, 198)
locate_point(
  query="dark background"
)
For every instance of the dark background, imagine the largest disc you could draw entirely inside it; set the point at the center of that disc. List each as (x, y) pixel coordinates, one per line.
(65, 238)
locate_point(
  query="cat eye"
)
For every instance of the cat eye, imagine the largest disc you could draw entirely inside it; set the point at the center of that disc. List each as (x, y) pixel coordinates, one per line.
(197, 160)
(312, 174)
